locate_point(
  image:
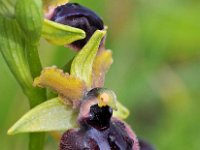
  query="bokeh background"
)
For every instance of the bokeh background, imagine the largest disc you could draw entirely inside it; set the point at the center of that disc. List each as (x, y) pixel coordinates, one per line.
(156, 72)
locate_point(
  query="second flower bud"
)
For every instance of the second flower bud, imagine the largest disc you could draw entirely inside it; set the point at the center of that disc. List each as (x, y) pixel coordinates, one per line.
(78, 16)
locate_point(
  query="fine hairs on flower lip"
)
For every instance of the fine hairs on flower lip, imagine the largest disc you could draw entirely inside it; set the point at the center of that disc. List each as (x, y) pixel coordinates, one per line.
(78, 16)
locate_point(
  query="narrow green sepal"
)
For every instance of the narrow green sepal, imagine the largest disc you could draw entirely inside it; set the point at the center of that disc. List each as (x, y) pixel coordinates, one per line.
(51, 115)
(82, 64)
(29, 16)
(60, 34)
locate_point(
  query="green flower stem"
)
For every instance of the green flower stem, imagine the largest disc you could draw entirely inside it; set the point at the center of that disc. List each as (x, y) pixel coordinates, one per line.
(36, 141)
(33, 60)
(17, 34)
(36, 95)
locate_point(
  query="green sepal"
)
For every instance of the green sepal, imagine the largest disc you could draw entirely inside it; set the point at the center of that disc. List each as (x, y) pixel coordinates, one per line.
(29, 15)
(122, 112)
(60, 34)
(12, 48)
(82, 64)
(51, 115)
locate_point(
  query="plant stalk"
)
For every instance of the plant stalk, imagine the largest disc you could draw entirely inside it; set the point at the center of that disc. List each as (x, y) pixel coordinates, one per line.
(35, 95)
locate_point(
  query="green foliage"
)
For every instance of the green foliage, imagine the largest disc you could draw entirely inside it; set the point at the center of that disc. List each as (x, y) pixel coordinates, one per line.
(29, 15)
(7, 7)
(12, 47)
(19, 48)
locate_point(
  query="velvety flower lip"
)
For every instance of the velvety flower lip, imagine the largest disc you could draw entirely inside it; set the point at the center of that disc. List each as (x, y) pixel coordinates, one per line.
(78, 16)
(97, 129)
(114, 138)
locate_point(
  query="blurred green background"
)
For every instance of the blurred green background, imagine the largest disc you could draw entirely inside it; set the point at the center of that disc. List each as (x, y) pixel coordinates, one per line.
(156, 72)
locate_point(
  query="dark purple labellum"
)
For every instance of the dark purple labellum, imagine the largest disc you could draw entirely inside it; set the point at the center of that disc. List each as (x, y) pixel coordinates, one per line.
(98, 130)
(75, 15)
(88, 138)
(99, 118)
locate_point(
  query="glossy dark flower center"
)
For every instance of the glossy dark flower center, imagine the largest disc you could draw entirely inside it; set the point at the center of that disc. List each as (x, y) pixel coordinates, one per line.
(100, 117)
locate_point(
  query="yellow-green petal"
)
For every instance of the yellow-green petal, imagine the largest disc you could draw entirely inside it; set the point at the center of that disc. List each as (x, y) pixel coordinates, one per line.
(60, 34)
(82, 64)
(51, 115)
